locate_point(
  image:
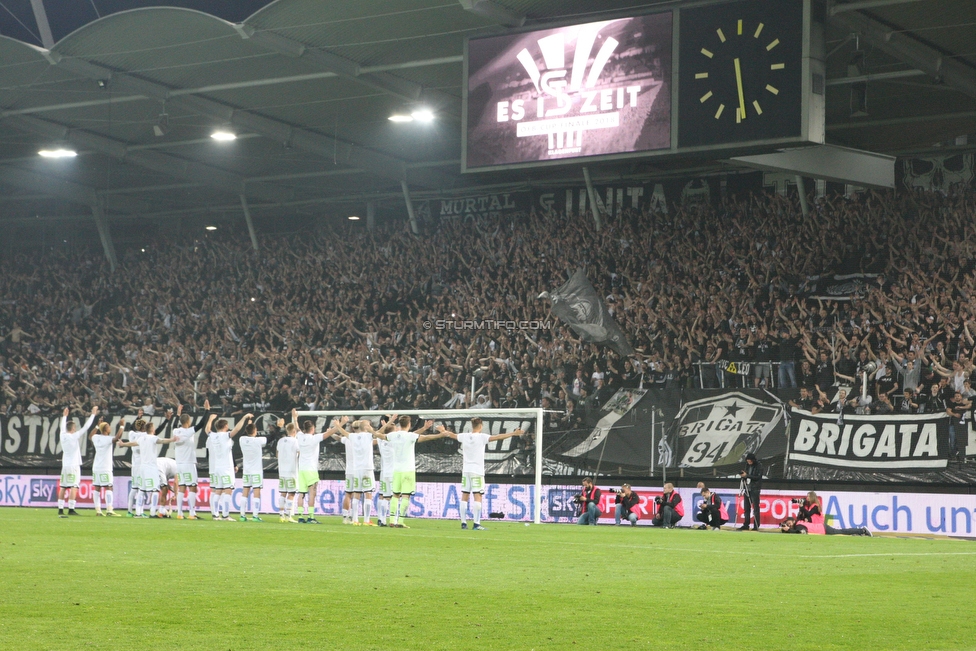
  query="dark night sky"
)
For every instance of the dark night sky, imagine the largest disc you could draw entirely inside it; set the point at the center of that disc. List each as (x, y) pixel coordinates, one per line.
(65, 16)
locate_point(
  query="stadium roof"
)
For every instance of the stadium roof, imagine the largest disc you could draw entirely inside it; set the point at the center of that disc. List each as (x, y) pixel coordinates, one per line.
(308, 86)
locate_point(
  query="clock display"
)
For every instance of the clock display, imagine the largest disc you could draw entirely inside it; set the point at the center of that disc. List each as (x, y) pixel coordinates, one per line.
(740, 71)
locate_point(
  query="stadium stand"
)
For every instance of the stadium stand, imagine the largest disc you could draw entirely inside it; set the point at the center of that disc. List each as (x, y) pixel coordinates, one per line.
(337, 321)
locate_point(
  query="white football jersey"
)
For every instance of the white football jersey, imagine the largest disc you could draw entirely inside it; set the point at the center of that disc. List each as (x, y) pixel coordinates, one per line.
(386, 457)
(221, 448)
(148, 452)
(71, 448)
(308, 451)
(473, 446)
(104, 447)
(404, 451)
(134, 437)
(71, 443)
(253, 449)
(186, 446)
(350, 454)
(167, 469)
(287, 456)
(362, 456)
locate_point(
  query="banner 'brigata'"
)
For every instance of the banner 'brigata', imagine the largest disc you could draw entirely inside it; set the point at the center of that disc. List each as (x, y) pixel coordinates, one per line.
(919, 442)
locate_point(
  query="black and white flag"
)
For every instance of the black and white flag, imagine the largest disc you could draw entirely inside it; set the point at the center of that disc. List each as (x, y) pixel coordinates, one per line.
(891, 442)
(577, 304)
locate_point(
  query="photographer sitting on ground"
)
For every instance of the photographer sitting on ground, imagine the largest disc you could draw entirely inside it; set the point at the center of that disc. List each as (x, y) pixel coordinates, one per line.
(589, 502)
(713, 513)
(628, 503)
(810, 509)
(790, 525)
(670, 508)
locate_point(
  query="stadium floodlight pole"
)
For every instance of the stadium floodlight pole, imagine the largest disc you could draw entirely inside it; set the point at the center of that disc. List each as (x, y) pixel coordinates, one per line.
(530, 412)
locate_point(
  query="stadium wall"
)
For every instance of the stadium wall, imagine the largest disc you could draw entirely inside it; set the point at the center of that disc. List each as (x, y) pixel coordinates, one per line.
(890, 512)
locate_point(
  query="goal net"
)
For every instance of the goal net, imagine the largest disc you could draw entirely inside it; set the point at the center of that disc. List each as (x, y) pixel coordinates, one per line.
(433, 457)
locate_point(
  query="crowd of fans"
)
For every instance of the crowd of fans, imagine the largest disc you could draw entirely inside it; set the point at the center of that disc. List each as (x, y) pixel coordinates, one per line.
(338, 320)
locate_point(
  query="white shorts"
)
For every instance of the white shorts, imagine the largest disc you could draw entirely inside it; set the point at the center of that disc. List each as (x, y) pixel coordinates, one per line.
(100, 478)
(186, 474)
(361, 482)
(221, 481)
(472, 483)
(253, 480)
(287, 484)
(137, 479)
(150, 480)
(386, 485)
(70, 476)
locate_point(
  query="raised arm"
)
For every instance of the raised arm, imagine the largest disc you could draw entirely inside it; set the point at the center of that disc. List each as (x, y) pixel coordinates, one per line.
(429, 437)
(240, 425)
(443, 430)
(64, 421)
(209, 426)
(337, 430)
(88, 423)
(388, 425)
(499, 437)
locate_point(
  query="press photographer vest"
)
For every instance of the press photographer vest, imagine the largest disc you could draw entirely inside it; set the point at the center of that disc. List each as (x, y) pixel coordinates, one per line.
(679, 508)
(816, 528)
(722, 511)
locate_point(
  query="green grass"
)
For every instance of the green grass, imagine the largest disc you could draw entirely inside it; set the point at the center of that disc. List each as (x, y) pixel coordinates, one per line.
(88, 583)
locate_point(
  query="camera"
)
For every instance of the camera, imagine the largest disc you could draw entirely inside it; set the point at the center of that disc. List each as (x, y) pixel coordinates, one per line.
(797, 500)
(578, 499)
(659, 501)
(612, 490)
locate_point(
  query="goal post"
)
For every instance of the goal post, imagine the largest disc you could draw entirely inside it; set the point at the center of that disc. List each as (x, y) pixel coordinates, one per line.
(533, 413)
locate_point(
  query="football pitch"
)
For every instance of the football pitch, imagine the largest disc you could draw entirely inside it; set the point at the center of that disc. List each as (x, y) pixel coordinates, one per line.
(99, 583)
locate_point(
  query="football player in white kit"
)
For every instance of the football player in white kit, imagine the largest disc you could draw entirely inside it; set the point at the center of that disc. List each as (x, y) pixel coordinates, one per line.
(347, 495)
(167, 474)
(220, 445)
(404, 464)
(473, 446)
(308, 463)
(186, 465)
(71, 460)
(385, 449)
(252, 446)
(135, 481)
(360, 478)
(103, 480)
(149, 474)
(287, 449)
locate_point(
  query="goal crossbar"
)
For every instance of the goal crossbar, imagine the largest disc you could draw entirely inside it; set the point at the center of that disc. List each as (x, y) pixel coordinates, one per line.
(440, 414)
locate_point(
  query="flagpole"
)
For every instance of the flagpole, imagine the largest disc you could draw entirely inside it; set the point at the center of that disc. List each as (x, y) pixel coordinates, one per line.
(653, 430)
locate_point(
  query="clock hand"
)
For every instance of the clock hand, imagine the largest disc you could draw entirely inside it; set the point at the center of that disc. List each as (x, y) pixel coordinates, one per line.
(738, 83)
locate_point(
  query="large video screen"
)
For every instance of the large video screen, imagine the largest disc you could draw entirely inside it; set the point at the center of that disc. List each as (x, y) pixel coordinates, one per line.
(599, 89)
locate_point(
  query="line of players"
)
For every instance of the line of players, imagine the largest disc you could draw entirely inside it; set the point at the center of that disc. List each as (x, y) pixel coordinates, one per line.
(298, 459)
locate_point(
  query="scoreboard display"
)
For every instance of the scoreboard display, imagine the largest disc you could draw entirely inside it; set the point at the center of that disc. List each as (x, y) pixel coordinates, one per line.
(733, 77)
